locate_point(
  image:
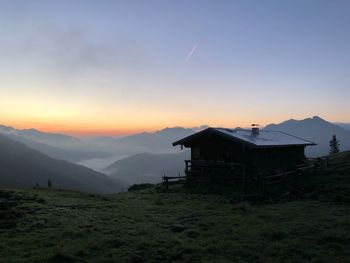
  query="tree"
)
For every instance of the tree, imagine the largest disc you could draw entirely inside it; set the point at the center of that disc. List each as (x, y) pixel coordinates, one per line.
(334, 145)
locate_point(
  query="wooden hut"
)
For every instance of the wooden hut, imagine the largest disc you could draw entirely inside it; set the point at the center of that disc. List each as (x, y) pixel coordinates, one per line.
(219, 151)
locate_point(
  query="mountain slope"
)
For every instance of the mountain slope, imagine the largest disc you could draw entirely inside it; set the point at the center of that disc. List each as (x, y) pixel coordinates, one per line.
(52, 139)
(343, 125)
(148, 167)
(21, 166)
(317, 130)
(157, 142)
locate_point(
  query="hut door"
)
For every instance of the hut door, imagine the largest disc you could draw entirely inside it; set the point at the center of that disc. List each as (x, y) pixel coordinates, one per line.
(196, 153)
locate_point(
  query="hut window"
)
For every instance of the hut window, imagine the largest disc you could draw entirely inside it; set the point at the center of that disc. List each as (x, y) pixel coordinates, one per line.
(196, 153)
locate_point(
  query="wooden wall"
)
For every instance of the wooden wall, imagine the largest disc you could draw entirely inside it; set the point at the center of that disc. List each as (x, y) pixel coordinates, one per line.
(274, 159)
(212, 147)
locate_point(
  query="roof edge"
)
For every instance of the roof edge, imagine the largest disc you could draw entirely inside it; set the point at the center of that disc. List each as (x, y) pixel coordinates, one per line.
(180, 142)
(232, 138)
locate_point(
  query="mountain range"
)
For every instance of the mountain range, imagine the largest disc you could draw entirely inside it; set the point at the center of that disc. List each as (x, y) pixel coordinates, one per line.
(143, 157)
(316, 130)
(96, 149)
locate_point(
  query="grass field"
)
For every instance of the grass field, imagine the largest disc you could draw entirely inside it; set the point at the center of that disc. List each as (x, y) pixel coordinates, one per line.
(152, 225)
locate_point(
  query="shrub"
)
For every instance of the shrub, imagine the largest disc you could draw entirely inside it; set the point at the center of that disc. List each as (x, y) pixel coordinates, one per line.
(137, 187)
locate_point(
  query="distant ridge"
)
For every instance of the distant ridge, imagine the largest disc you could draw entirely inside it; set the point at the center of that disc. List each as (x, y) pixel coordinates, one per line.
(157, 142)
(39, 136)
(317, 130)
(55, 145)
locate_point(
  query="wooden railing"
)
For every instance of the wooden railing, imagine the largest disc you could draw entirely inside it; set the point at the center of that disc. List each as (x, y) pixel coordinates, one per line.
(166, 180)
(198, 170)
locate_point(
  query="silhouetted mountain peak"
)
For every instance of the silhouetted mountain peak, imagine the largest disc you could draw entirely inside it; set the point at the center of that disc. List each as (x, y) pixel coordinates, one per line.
(6, 127)
(173, 133)
(171, 129)
(313, 122)
(317, 118)
(290, 121)
(314, 129)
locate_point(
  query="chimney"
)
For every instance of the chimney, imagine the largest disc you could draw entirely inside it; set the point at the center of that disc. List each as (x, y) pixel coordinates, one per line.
(255, 129)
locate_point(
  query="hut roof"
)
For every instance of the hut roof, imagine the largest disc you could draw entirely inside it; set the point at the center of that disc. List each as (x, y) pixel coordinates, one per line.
(262, 139)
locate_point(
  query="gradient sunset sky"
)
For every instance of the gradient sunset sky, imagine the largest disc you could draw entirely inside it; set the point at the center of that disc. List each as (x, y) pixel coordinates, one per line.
(119, 67)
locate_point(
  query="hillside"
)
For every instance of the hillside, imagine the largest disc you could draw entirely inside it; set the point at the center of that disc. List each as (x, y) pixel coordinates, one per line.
(316, 130)
(71, 155)
(343, 125)
(311, 225)
(148, 167)
(21, 166)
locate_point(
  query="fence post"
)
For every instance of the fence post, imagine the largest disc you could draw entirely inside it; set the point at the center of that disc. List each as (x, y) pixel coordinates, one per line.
(167, 181)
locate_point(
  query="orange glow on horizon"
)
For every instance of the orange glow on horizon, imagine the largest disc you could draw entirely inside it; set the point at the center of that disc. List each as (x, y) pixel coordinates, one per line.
(86, 130)
(73, 130)
(102, 127)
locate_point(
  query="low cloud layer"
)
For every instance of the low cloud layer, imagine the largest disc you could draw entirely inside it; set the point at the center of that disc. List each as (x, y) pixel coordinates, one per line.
(72, 52)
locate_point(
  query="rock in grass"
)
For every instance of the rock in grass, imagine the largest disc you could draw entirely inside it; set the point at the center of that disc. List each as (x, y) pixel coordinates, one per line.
(178, 228)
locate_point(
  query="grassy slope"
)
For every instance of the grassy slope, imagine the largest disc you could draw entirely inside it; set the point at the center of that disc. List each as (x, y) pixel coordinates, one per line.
(313, 226)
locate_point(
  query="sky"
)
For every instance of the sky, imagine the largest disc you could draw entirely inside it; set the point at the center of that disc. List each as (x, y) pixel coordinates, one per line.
(120, 67)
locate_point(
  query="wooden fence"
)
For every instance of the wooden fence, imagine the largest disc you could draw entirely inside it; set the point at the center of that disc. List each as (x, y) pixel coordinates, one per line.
(167, 180)
(198, 172)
